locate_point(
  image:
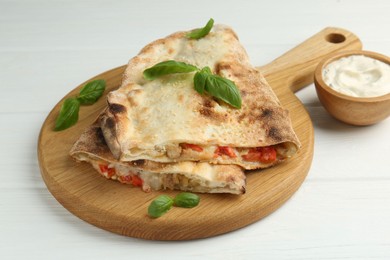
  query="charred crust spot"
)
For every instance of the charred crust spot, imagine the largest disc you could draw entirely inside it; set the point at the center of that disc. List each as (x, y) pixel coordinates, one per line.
(235, 70)
(100, 136)
(117, 108)
(207, 103)
(206, 112)
(92, 141)
(267, 113)
(222, 66)
(109, 123)
(274, 133)
(139, 162)
(206, 108)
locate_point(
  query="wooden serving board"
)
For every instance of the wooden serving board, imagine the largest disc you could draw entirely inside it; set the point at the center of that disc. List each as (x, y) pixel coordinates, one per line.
(122, 209)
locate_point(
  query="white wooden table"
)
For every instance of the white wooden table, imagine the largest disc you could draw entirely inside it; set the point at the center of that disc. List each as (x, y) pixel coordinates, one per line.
(342, 210)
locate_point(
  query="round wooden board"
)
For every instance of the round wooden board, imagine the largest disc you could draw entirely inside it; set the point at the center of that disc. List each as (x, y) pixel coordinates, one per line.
(122, 209)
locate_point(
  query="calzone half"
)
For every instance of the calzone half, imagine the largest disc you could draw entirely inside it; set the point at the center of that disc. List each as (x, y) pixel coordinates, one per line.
(166, 120)
(91, 147)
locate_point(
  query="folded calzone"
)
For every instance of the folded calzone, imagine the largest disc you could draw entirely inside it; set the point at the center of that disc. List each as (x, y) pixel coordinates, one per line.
(166, 120)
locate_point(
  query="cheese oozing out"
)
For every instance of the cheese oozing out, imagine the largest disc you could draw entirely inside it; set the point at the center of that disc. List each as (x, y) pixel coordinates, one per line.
(174, 180)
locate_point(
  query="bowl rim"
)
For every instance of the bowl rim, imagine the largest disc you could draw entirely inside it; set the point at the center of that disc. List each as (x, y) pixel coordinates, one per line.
(319, 81)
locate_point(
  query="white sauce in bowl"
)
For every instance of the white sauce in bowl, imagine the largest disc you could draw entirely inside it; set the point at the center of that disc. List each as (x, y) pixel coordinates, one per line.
(358, 76)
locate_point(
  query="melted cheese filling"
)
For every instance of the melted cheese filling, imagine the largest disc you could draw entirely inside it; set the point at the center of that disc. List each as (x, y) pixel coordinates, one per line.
(158, 181)
(180, 152)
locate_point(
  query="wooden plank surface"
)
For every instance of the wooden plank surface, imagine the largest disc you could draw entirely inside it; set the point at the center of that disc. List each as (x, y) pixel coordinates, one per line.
(121, 209)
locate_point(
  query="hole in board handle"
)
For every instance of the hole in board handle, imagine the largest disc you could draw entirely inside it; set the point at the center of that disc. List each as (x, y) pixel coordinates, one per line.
(335, 38)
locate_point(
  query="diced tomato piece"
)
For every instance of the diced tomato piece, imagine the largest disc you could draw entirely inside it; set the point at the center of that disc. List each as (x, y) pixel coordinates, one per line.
(103, 167)
(110, 172)
(224, 150)
(268, 154)
(126, 179)
(252, 156)
(261, 154)
(194, 147)
(136, 181)
(107, 172)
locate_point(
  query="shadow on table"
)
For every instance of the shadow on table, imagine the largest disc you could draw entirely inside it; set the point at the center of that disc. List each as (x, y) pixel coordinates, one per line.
(322, 120)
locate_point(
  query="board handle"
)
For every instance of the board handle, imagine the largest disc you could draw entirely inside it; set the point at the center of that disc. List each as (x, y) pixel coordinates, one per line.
(296, 67)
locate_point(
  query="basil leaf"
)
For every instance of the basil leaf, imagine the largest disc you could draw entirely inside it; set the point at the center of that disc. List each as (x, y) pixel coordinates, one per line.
(200, 82)
(91, 92)
(168, 67)
(69, 114)
(160, 206)
(223, 89)
(186, 200)
(219, 87)
(207, 70)
(201, 32)
(200, 79)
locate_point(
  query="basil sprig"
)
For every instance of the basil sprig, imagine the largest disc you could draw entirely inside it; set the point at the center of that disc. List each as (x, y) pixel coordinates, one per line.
(163, 203)
(69, 114)
(168, 67)
(91, 92)
(217, 86)
(69, 111)
(160, 206)
(204, 80)
(201, 32)
(186, 200)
